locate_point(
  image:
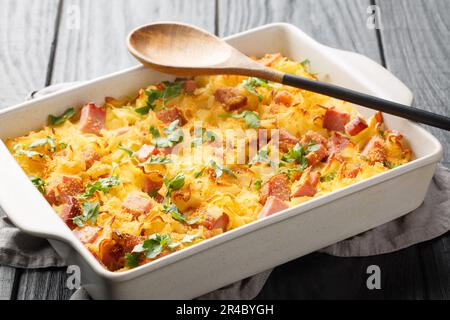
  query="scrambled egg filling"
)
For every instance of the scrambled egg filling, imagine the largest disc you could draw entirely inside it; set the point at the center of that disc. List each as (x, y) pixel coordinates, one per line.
(140, 178)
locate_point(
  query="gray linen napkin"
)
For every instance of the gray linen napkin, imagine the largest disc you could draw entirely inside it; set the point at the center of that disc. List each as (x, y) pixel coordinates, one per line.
(429, 221)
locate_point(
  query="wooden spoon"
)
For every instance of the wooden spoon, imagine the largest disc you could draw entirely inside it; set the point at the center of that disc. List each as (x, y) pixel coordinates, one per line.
(185, 50)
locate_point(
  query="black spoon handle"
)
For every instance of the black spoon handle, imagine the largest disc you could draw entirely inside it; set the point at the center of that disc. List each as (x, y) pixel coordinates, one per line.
(397, 109)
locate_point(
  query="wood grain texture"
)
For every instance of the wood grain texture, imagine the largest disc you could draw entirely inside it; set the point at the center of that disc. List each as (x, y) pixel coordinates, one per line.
(98, 46)
(6, 282)
(43, 284)
(340, 24)
(416, 37)
(26, 34)
(405, 274)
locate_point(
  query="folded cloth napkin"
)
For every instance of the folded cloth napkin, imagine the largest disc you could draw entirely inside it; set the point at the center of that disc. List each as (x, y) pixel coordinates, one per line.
(429, 221)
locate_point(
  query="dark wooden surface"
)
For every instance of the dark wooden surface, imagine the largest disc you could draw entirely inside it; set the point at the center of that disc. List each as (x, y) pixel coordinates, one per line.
(40, 44)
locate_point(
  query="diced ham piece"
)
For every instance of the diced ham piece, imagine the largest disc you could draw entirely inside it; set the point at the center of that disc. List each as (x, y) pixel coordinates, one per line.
(87, 234)
(315, 157)
(90, 156)
(352, 173)
(314, 137)
(374, 150)
(273, 205)
(307, 185)
(335, 120)
(63, 188)
(189, 86)
(137, 204)
(337, 143)
(231, 98)
(355, 126)
(220, 222)
(92, 119)
(151, 185)
(169, 115)
(145, 152)
(284, 97)
(277, 186)
(69, 211)
(286, 140)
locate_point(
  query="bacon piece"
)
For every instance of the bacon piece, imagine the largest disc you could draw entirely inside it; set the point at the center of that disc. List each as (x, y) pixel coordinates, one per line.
(355, 126)
(112, 251)
(189, 86)
(286, 140)
(170, 115)
(69, 211)
(137, 204)
(284, 97)
(92, 119)
(374, 150)
(307, 185)
(87, 234)
(230, 98)
(277, 186)
(273, 205)
(145, 152)
(335, 120)
(64, 187)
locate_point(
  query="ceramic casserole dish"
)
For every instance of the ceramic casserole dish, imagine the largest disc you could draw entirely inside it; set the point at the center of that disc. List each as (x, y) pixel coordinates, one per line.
(254, 247)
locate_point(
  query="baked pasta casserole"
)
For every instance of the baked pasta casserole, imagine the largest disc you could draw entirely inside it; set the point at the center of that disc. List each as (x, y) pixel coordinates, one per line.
(138, 178)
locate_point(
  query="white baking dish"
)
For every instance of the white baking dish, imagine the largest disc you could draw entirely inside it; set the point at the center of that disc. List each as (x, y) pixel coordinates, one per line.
(259, 245)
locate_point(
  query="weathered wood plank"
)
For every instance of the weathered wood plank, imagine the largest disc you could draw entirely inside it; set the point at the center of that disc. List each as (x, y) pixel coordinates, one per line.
(26, 34)
(97, 47)
(403, 276)
(340, 24)
(6, 282)
(415, 36)
(43, 284)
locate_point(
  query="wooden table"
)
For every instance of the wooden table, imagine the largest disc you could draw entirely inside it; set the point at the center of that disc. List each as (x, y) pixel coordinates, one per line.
(44, 42)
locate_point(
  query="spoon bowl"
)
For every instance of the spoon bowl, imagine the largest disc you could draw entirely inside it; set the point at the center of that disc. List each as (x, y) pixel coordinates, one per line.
(185, 50)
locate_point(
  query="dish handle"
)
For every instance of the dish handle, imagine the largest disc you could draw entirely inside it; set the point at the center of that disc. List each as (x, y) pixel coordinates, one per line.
(23, 203)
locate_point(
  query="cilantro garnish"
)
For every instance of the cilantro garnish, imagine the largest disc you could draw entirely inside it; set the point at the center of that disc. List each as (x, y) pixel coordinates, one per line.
(90, 212)
(103, 184)
(172, 209)
(174, 135)
(42, 142)
(252, 83)
(57, 120)
(39, 184)
(202, 136)
(328, 177)
(218, 170)
(125, 149)
(176, 183)
(251, 118)
(171, 90)
(152, 246)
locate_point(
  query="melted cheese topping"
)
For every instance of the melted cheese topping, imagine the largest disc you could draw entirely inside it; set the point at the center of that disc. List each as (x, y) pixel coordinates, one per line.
(121, 238)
